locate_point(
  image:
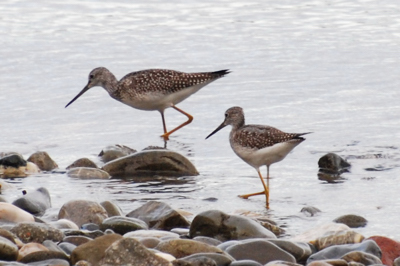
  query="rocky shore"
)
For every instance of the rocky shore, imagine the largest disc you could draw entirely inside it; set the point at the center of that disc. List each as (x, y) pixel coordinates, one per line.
(99, 233)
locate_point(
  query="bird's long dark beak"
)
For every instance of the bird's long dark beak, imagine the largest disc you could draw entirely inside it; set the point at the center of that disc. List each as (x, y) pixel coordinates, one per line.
(217, 129)
(79, 95)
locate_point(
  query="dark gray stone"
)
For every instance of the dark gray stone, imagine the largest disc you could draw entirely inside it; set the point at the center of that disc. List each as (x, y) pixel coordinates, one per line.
(122, 225)
(221, 226)
(337, 251)
(245, 263)
(219, 259)
(310, 211)
(300, 250)
(150, 163)
(35, 202)
(259, 250)
(159, 215)
(58, 262)
(13, 160)
(68, 248)
(352, 220)
(111, 153)
(208, 240)
(332, 163)
(77, 240)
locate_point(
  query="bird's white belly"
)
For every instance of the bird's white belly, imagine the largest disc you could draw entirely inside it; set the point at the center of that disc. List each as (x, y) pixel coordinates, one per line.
(160, 101)
(265, 156)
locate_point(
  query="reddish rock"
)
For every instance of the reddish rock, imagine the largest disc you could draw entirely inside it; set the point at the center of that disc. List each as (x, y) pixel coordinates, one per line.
(390, 249)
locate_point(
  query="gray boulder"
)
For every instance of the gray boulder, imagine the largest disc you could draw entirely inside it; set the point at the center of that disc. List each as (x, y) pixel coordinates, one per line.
(35, 202)
(149, 163)
(221, 226)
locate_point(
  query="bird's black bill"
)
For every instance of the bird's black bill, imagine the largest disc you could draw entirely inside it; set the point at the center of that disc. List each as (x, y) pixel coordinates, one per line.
(79, 95)
(217, 129)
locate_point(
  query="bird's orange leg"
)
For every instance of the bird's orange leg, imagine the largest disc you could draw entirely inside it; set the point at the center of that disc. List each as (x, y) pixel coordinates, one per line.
(190, 119)
(266, 189)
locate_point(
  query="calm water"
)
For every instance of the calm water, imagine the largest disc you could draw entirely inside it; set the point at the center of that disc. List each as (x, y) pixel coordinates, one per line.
(330, 67)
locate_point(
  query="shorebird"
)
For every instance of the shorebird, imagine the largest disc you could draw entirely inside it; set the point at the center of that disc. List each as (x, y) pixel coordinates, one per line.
(258, 145)
(152, 89)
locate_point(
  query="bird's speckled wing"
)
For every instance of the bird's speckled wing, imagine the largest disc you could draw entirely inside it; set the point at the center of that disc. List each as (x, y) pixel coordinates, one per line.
(165, 81)
(258, 136)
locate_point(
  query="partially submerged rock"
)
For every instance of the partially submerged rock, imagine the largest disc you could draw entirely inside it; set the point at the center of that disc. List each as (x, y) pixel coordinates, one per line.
(83, 162)
(151, 162)
(225, 227)
(35, 202)
(87, 173)
(43, 161)
(114, 152)
(159, 215)
(82, 212)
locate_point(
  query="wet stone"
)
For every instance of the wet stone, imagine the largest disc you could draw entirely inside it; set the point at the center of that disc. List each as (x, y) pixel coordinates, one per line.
(208, 240)
(300, 250)
(35, 202)
(127, 250)
(57, 262)
(7, 234)
(43, 161)
(114, 152)
(320, 231)
(87, 173)
(67, 247)
(259, 250)
(77, 240)
(201, 260)
(111, 208)
(50, 245)
(12, 160)
(219, 259)
(44, 255)
(310, 211)
(64, 224)
(352, 221)
(337, 251)
(389, 247)
(30, 248)
(332, 163)
(122, 225)
(149, 242)
(361, 257)
(83, 162)
(160, 234)
(82, 212)
(223, 227)
(8, 249)
(337, 238)
(90, 234)
(283, 263)
(90, 227)
(184, 247)
(245, 263)
(14, 214)
(150, 163)
(159, 215)
(93, 251)
(36, 232)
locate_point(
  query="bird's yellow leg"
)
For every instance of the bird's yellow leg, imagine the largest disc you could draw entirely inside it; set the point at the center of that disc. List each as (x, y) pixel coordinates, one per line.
(190, 119)
(265, 192)
(164, 126)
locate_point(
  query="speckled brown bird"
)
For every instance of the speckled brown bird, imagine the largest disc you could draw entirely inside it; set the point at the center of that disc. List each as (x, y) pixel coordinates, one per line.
(258, 145)
(152, 89)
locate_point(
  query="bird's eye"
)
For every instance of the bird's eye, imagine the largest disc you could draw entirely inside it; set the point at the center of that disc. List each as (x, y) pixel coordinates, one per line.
(91, 76)
(226, 115)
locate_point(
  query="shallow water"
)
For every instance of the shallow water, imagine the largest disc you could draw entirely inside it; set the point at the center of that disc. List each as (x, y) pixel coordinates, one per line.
(329, 67)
